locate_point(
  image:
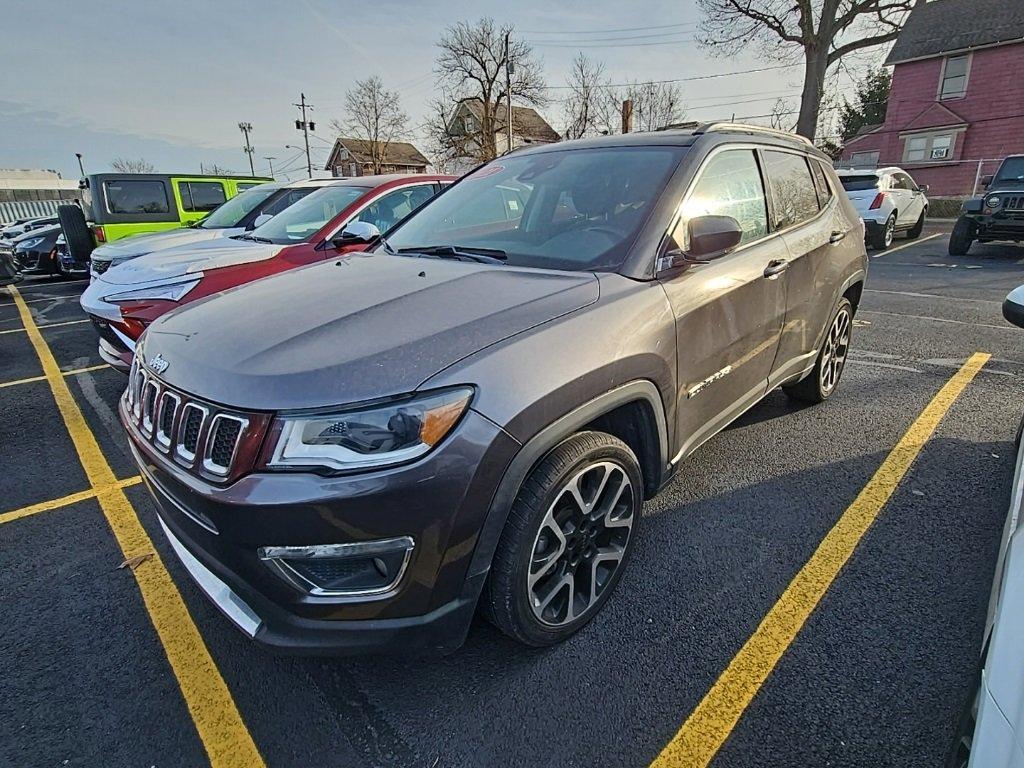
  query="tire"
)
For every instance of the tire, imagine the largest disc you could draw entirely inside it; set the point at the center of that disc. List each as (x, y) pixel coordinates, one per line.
(821, 383)
(962, 236)
(883, 239)
(915, 231)
(76, 232)
(550, 542)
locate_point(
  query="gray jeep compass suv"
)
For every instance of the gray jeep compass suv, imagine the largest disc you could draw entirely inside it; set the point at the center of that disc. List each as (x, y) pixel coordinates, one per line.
(357, 455)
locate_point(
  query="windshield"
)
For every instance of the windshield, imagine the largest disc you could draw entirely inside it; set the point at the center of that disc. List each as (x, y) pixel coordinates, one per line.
(1011, 171)
(858, 183)
(571, 209)
(304, 219)
(230, 213)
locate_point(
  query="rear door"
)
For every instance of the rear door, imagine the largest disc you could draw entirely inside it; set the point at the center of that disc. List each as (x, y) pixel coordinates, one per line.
(805, 211)
(197, 197)
(728, 313)
(911, 200)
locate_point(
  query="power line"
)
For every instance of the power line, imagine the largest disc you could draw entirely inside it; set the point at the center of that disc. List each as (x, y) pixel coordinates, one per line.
(614, 38)
(680, 79)
(603, 31)
(611, 45)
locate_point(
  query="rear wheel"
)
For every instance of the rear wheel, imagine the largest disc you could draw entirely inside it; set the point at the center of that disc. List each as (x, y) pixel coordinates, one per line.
(883, 238)
(819, 385)
(567, 540)
(962, 236)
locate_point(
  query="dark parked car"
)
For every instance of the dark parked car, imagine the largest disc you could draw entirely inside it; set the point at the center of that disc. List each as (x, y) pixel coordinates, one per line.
(35, 252)
(998, 215)
(473, 413)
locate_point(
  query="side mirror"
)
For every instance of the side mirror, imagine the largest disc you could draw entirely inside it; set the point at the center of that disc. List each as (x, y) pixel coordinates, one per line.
(712, 237)
(356, 233)
(260, 220)
(923, 187)
(1013, 306)
(986, 181)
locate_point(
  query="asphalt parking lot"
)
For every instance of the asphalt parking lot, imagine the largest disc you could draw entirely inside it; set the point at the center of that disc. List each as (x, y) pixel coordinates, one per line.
(98, 670)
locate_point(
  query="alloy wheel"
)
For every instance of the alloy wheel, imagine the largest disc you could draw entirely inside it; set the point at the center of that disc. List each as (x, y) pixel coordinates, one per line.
(890, 231)
(833, 356)
(581, 543)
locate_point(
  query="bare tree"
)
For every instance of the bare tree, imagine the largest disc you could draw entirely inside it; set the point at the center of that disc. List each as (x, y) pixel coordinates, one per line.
(127, 165)
(373, 114)
(781, 115)
(586, 107)
(217, 170)
(655, 105)
(471, 65)
(820, 31)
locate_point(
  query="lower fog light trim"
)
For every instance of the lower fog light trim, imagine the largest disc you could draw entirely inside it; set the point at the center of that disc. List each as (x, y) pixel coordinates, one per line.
(362, 570)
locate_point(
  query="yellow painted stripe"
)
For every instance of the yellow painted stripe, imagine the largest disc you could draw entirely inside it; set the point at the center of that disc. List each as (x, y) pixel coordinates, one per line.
(75, 372)
(40, 327)
(223, 733)
(707, 728)
(63, 501)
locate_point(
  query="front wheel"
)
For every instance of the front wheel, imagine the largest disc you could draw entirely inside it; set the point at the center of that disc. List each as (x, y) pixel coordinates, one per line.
(962, 237)
(915, 231)
(567, 540)
(818, 386)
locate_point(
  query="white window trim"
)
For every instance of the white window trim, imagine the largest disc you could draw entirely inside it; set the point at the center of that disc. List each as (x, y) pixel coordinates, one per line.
(929, 136)
(967, 76)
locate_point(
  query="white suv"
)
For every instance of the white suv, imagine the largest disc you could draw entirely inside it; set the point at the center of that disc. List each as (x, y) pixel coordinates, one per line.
(888, 200)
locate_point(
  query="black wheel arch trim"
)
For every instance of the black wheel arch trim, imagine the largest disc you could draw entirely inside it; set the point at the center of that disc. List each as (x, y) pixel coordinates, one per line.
(537, 447)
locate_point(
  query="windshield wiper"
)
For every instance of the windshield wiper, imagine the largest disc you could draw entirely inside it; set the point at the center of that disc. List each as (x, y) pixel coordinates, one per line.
(461, 253)
(248, 236)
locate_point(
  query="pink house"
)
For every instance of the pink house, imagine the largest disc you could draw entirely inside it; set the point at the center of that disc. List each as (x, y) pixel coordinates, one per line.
(956, 108)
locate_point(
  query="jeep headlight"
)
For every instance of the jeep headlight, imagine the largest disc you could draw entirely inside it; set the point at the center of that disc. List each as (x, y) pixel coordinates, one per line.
(168, 292)
(374, 436)
(992, 201)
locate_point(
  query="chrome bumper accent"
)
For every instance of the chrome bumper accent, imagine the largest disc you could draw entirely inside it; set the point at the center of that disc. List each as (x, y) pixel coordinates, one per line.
(230, 604)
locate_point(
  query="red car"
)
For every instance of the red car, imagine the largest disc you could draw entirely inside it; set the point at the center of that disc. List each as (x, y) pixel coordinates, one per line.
(128, 297)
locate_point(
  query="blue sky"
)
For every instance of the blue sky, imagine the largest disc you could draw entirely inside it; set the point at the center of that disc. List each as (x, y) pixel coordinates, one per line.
(169, 82)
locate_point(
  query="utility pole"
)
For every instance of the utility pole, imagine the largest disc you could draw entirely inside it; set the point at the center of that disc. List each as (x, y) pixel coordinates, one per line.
(508, 89)
(245, 128)
(80, 166)
(270, 160)
(627, 116)
(305, 126)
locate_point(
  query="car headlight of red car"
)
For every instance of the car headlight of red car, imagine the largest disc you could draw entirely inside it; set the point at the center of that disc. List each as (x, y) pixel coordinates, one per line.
(374, 436)
(167, 292)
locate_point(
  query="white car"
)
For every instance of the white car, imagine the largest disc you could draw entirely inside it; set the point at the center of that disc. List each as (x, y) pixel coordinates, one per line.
(991, 733)
(888, 200)
(240, 214)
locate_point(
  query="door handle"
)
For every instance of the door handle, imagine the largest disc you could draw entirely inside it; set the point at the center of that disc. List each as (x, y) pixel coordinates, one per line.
(835, 237)
(775, 268)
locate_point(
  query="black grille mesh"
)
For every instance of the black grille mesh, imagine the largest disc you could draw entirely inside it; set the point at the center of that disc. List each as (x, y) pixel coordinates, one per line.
(167, 416)
(99, 267)
(192, 420)
(224, 442)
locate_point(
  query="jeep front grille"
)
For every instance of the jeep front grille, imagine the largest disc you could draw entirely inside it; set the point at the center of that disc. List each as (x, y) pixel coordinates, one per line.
(1015, 203)
(194, 434)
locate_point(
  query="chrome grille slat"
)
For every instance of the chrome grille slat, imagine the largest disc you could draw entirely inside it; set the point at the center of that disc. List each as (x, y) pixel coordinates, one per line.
(198, 436)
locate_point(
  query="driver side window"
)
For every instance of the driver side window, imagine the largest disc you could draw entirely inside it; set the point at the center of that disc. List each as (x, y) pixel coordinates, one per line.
(729, 185)
(388, 210)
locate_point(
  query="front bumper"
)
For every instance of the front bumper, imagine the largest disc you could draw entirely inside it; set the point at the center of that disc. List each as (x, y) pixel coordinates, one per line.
(440, 501)
(1004, 225)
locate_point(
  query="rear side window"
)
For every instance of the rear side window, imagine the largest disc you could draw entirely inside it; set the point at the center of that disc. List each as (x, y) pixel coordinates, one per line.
(821, 183)
(729, 185)
(136, 196)
(792, 188)
(201, 196)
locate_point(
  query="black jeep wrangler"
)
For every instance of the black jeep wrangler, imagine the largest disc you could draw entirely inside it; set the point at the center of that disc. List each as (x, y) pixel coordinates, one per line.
(998, 215)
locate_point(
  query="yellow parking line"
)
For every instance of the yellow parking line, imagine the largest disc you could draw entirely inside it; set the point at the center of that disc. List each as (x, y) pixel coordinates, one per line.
(63, 501)
(707, 728)
(220, 726)
(75, 372)
(42, 327)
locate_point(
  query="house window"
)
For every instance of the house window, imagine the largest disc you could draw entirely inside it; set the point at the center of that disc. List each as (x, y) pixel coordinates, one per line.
(864, 159)
(470, 124)
(928, 147)
(954, 77)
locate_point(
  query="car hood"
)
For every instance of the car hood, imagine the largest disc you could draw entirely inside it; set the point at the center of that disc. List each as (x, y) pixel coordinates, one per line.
(131, 247)
(157, 267)
(52, 229)
(355, 329)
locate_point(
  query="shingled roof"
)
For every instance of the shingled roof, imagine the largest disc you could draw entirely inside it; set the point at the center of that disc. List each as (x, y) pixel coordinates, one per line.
(526, 122)
(944, 26)
(397, 152)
